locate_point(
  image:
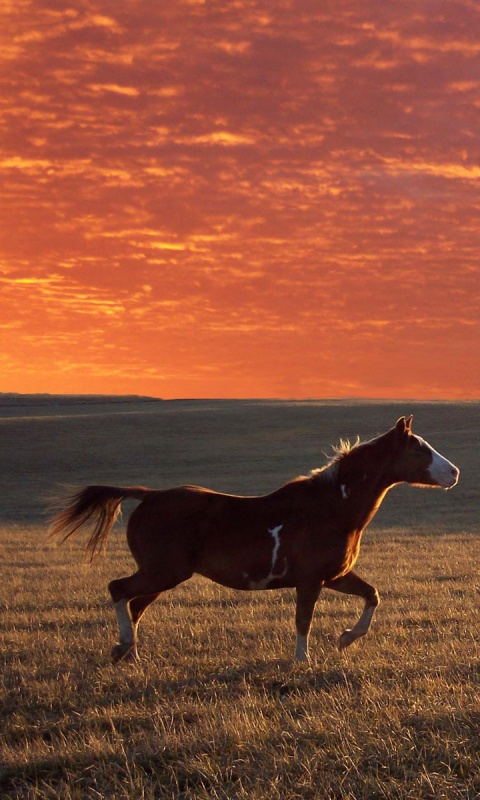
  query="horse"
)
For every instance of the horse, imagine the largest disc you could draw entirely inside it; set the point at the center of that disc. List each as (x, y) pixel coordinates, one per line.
(305, 535)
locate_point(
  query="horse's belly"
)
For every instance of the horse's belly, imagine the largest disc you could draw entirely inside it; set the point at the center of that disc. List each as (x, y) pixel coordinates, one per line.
(246, 581)
(244, 564)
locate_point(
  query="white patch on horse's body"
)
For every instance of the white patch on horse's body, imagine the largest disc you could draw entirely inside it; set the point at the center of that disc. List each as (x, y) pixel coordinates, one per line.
(276, 539)
(344, 490)
(441, 470)
(274, 532)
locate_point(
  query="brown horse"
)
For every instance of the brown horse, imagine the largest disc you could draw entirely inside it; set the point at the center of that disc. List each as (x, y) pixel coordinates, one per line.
(304, 535)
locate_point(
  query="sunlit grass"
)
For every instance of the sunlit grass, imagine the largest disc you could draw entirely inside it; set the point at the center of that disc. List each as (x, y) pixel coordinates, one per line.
(216, 708)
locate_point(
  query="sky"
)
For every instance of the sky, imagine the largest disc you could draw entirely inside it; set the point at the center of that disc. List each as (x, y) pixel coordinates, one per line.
(240, 198)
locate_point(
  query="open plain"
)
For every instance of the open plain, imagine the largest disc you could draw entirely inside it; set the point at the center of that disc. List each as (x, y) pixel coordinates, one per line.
(216, 707)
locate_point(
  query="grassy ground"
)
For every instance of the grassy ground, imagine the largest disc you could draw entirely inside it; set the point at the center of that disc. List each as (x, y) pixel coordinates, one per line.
(216, 708)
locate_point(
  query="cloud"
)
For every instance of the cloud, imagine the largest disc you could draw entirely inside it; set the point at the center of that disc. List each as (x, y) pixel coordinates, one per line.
(295, 183)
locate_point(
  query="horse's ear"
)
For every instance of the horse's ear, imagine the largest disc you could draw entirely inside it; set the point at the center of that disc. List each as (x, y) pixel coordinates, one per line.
(403, 425)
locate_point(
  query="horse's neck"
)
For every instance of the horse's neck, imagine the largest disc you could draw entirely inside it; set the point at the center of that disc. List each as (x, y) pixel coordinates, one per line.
(363, 491)
(369, 506)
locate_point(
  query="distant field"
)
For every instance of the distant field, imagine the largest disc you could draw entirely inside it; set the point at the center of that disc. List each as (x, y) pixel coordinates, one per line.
(242, 447)
(216, 708)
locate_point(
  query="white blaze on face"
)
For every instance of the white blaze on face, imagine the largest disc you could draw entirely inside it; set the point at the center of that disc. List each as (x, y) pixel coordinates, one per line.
(442, 471)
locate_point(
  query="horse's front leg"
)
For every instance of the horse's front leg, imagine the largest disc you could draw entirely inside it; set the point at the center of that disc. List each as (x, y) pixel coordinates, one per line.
(307, 596)
(353, 584)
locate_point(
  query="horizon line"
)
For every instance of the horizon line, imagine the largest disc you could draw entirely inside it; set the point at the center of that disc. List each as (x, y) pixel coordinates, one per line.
(153, 398)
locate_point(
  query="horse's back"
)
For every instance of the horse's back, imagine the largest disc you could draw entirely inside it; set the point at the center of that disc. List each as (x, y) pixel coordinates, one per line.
(171, 510)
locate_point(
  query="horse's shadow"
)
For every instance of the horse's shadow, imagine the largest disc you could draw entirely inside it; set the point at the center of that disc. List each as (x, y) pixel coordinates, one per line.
(278, 680)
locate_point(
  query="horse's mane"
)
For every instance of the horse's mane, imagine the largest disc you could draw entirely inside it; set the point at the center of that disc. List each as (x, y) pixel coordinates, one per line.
(340, 451)
(343, 448)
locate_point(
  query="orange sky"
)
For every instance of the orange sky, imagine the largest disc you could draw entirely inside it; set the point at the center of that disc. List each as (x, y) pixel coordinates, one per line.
(239, 198)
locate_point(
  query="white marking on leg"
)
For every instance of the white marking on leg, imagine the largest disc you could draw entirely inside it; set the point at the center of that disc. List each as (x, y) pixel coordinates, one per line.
(301, 648)
(127, 633)
(262, 584)
(344, 490)
(359, 629)
(363, 624)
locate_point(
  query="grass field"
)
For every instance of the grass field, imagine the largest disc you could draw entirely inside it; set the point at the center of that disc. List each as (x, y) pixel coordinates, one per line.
(216, 708)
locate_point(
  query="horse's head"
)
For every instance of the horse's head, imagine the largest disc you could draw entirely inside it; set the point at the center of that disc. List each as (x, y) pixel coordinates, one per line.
(417, 462)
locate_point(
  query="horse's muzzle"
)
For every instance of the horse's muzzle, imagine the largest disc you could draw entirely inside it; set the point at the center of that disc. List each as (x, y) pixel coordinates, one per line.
(451, 480)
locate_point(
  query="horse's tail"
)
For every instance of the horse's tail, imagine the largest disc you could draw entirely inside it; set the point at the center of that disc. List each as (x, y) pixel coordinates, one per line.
(95, 506)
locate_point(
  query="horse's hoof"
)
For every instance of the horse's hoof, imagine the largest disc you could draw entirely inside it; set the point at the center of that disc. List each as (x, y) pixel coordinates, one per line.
(345, 640)
(124, 652)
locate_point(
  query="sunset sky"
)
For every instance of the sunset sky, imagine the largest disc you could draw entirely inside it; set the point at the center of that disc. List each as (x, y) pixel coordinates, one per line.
(240, 198)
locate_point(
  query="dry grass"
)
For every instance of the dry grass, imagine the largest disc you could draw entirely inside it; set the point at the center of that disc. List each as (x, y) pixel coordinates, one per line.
(216, 708)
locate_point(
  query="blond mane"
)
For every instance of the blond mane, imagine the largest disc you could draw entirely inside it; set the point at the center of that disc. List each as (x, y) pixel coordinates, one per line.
(344, 447)
(340, 450)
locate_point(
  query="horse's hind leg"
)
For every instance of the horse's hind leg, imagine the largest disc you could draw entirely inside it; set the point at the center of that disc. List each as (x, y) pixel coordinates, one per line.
(124, 592)
(353, 584)
(139, 605)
